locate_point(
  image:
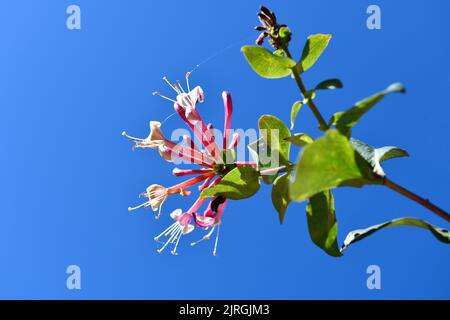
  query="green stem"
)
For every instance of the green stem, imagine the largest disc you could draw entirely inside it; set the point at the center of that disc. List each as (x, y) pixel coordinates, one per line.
(323, 124)
(423, 202)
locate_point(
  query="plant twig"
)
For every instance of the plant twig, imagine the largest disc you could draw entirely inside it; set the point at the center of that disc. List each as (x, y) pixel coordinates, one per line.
(423, 202)
(323, 124)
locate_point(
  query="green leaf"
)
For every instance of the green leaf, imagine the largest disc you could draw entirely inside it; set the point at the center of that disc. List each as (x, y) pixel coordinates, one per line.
(280, 195)
(344, 121)
(330, 84)
(267, 64)
(442, 235)
(390, 152)
(298, 104)
(322, 224)
(294, 111)
(327, 163)
(240, 183)
(314, 47)
(376, 155)
(276, 134)
(300, 139)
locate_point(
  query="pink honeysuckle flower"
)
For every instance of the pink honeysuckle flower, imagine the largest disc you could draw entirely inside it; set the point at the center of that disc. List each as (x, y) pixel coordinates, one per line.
(154, 140)
(157, 194)
(188, 102)
(169, 149)
(180, 227)
(211, 218)
(209, 159)
(201, 131)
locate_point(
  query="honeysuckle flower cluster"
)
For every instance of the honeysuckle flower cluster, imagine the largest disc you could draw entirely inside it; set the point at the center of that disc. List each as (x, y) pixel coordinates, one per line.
(209, 157)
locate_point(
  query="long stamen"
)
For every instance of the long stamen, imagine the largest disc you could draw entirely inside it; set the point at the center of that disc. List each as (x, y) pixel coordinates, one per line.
(171, 85)
(179, 86)
(205, 237)
(217, 240)
(172, 226)
(156, 93)
(131, 137)
(174, 251)
(167, 242)
(159, 211)
(187, 81)
(174, 233)
(137, 207)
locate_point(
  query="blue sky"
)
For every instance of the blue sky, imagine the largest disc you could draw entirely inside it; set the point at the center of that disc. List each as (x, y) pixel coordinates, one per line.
(68, 176)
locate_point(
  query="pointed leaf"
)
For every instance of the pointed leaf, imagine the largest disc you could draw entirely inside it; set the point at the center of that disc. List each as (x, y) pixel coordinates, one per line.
(327, 163)
(294, 111)
(280, 195)
(390, 152)
(442, 235)
(330, 84)
(300, 139)
(267, 64)
(322, 224)
(240, 183)
(314, 47)
(344, 121)
(376, 155)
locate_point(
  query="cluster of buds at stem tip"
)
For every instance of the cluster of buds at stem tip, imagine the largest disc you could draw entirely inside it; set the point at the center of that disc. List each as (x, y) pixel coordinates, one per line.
(209, 157)
(278, 35)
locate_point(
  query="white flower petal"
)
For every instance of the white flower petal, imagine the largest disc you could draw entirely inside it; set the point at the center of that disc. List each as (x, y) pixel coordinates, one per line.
(176, 214)
(187, 229)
